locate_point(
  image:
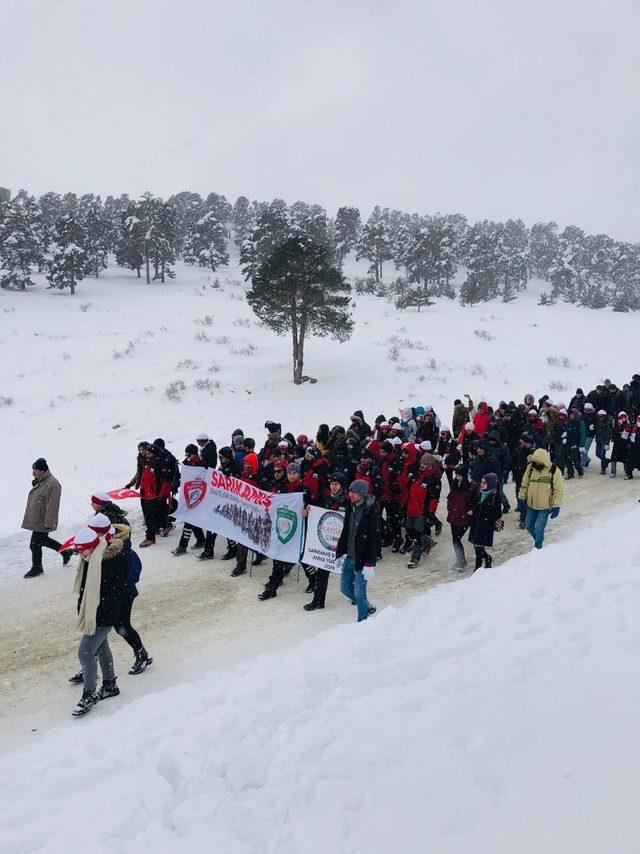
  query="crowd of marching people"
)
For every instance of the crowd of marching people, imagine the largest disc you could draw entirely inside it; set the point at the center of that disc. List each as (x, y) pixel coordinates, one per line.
(386, 477)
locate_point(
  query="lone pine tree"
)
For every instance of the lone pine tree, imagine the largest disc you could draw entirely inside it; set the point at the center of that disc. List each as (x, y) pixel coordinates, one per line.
(297, 290)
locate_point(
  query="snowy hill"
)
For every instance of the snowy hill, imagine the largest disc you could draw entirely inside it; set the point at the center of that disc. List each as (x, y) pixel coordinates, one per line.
(496, 714)
(89, 376)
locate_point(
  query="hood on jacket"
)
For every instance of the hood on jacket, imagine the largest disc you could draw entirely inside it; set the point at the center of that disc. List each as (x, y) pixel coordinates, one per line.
(358, 416)
(541, 456)
(406, 414)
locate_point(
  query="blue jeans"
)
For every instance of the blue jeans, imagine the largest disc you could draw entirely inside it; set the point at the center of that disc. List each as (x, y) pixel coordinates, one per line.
(535, 523)
(601, 454)
(354, 586)
(585, 455)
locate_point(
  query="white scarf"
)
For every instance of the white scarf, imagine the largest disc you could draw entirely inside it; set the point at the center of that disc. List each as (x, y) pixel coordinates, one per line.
(91, 594)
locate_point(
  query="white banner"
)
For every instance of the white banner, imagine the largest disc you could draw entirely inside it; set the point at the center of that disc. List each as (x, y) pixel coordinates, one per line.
(269, 524)
(323, 532)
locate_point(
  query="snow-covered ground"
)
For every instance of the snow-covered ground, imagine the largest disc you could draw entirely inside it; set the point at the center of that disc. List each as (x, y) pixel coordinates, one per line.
(87, 376)
(496, 714)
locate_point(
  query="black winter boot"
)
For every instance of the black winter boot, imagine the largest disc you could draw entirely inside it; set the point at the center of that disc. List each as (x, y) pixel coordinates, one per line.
(269, 592)
(143, 660)
(34, 572)
(85, 703)
(77, 678)
(230, 554)
(108, 689)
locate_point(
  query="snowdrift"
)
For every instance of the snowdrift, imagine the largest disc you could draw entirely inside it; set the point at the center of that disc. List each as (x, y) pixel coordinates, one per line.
(498, 714)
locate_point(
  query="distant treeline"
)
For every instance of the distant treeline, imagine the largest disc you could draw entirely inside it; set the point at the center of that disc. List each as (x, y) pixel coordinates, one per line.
(70, 237)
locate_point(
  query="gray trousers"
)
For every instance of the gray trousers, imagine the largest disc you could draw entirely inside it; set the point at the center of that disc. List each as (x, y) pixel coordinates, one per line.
(94, 647)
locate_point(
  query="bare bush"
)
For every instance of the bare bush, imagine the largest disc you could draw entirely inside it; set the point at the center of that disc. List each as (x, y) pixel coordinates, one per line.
(477, 371)
(6, 401)
(85, 393)
(202, 336)
(557, 385)
(213, 369)
(242, 321)
(84, 306)
(431, 365)
(174, 390)
(120, 354)
(207, 320)
(237, 297)
(484, 334)
(66, 356)
(247, 349)
(207, 384)
(187, 364)
(222, 340)
(559, 362)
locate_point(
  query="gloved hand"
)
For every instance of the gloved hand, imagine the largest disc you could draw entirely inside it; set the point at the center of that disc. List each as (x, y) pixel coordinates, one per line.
(368, 572)
(522, 505)
(582, 450)
(555, 512)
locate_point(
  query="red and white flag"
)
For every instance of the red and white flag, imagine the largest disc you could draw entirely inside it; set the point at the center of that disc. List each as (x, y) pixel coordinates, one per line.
(121, 494)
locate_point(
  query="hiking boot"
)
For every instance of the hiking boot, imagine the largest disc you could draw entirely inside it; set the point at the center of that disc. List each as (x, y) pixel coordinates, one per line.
(395, 548)
(430, 544)
(143, 660)
(166, 531)
(311, 586)
(238, 571)
(146, 543)
(488, 562)
(415, 561)
(269, 592)
(506, 508)
(206, 556)
(85, 703)
(258, 559)
(230, 554)
(313, 606)
(179, 550)
(108, 689)
(77, 678)
(371, 610)
(33, 572)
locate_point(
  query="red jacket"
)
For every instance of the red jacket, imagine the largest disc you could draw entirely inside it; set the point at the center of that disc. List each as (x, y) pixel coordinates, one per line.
(315, 478)
(424, 493)
(149, 486)
(481, 419)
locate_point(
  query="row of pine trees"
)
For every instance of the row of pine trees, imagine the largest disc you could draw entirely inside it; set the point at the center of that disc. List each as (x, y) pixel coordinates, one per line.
(70, 237)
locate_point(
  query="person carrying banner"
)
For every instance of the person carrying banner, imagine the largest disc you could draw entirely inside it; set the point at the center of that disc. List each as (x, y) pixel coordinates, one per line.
(280, 568)
(336, 500)
(359, 545)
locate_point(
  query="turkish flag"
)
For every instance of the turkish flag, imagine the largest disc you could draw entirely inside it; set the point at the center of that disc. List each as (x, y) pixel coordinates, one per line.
(121, 494)
(68, 544)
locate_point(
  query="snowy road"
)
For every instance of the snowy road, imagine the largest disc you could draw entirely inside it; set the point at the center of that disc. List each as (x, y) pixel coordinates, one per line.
(194, 617)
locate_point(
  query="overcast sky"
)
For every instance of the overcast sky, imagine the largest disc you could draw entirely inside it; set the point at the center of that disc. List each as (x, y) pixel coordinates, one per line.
(494, 108)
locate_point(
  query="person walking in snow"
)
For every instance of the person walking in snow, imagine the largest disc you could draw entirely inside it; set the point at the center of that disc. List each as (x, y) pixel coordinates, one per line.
(359, 545)
(486, 519)
(461, 413)
(99, 584)
(118, 537)
(620, 449)
(541, 492)
(336, 500)
(461, 500)
(41, 516)
(576, 439)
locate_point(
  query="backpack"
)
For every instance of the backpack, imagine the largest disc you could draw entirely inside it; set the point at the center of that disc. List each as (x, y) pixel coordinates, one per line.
(135, 566)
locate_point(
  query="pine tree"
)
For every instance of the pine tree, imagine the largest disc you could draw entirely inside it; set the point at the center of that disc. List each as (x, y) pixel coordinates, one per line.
(414, 295)
(273, 227)
(568, 270)
(481, 283)
(95, 230)
(298, 290)
(50, 205)
(68, 262)
(625, 277)
(164, 240)
(543, 248)
(512, 260)
(20, 242)
(348, 226)
(375, 242)
(206, 244)
(242, 220)
(188, 207)
(599, 251)
(312, 221)
(131, 240)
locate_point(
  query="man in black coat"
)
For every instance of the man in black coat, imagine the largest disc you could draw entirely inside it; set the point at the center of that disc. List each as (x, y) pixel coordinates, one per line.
(208, 451)
(359, 544)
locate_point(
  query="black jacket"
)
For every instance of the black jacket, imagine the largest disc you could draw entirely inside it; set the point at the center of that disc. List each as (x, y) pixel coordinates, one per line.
(116, 515)
(115, 571)
(367, 535)
(483, 521)
(209, 455)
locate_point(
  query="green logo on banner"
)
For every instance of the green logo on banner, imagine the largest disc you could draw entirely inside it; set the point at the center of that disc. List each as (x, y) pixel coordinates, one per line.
(286, 524)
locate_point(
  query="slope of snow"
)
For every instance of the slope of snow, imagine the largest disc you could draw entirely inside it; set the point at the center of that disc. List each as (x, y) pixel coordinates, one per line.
(497, 714)
(86, 385)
